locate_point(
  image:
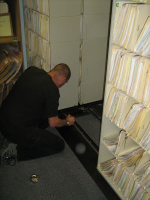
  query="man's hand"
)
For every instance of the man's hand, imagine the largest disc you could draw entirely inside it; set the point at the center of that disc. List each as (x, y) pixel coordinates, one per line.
(57, 122)
(70, 119)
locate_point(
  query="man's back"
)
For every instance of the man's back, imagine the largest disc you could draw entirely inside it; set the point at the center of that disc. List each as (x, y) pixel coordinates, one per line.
(30, 107)
(33, 97)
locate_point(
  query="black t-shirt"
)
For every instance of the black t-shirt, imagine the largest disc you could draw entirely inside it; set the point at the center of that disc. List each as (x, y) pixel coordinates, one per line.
(33, 98)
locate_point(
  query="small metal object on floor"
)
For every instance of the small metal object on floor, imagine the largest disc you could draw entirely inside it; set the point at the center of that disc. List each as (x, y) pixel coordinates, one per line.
(34, 178)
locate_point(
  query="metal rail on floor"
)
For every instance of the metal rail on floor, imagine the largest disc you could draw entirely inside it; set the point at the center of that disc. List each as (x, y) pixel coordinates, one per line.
(85, 136)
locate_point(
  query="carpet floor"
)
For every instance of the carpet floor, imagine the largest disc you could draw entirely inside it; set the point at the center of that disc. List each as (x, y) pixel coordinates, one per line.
(61, 177)
(91, 125)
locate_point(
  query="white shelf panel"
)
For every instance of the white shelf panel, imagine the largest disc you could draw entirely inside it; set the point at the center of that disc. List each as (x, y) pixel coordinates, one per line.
(108, 127)
(104, 154)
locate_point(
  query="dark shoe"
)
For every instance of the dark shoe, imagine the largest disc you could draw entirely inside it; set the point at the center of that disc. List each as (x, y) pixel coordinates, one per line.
(8, 153)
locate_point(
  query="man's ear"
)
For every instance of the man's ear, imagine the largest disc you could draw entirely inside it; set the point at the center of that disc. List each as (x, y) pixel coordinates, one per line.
(63, 78)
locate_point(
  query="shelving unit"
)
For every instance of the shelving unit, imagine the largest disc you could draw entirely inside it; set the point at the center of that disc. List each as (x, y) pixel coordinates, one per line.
(16, 42)
(125, 121)
(15, 15)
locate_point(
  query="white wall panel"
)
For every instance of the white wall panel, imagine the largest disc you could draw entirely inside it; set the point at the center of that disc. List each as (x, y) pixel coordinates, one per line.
(59, 8)
(64, 43)
(69, 92)
(94, 49)
(92, 81)
(95, 26)
(95, 7)
(67, 52)
(96, 16)
(64, 29)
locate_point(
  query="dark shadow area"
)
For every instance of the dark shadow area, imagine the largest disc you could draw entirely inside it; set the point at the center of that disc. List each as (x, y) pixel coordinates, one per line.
(75, 135)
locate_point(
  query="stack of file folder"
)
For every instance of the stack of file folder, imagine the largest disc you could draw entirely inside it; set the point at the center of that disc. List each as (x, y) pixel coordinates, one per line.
(37, 22)
(37, 33)
(117, 106)
(141, 176)
(10, 64)
(41, 6)
(129, 185)
(131, 157)
(133, 117)
(35, 60)
(123, 180)
(11, 60)
(111, 142)
(145, 138)
(129, 25)
(130, 73)
(108, 167)
(128, 152)
(143, 1)
(143, 42)
(138, 192)
(38, 45)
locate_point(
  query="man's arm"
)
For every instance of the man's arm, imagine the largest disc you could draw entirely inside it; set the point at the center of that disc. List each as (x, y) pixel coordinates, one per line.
(57, 122)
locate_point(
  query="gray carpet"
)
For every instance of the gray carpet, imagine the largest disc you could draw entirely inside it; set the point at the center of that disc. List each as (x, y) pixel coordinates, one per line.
(61, 177)
(91, 125)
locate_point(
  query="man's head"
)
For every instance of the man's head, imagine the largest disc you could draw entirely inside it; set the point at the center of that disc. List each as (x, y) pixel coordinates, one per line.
(60, 74)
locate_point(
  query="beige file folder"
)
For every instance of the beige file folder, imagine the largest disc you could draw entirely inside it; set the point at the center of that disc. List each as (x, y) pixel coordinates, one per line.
(6, 28)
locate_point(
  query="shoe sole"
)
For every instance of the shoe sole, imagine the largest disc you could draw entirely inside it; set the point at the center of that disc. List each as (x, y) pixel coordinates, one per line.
(8, 151)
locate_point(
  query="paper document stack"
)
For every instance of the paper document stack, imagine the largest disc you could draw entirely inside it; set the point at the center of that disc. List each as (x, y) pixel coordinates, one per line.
(143, 42)
(10, 64)
(145, 137)
(128, 152)
(111, 142)
(117, 106)
(37, 33)
(37, 22)
(143, 1)
(123, 180)
(141, 176)
(41, 6)
(38, 45)
(130, 73)
(129, 25)
(108, 167)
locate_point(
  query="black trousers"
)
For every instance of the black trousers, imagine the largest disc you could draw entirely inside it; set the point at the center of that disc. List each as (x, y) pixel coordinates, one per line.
(35, 142)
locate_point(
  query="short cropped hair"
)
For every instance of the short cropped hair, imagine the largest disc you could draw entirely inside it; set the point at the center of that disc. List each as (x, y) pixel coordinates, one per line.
(63, 70)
